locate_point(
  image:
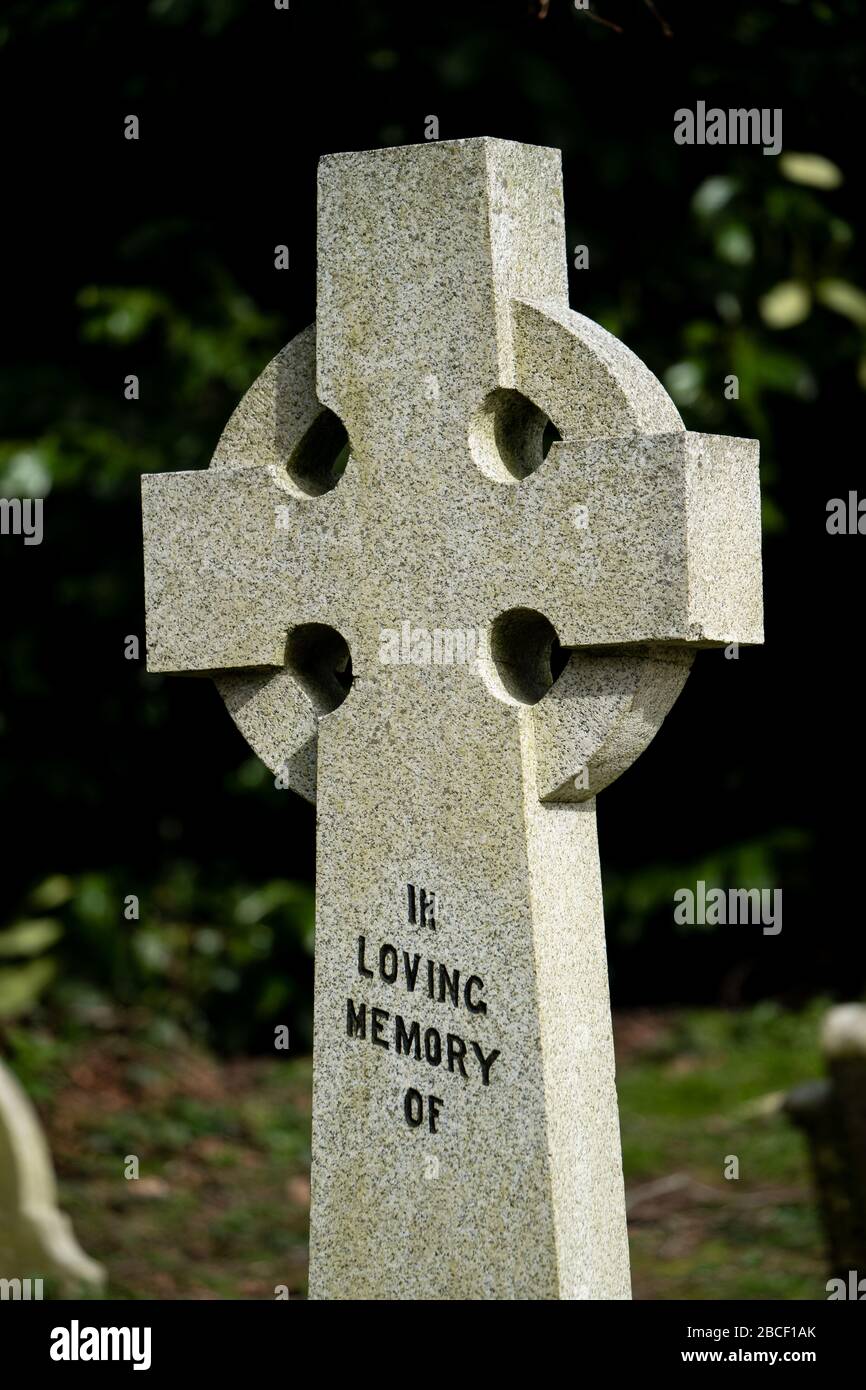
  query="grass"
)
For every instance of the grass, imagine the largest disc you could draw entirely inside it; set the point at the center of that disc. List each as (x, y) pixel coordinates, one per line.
(697, 1090)
(220, 1208)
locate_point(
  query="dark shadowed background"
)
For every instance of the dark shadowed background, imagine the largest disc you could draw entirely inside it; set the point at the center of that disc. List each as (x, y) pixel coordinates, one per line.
(156, 258)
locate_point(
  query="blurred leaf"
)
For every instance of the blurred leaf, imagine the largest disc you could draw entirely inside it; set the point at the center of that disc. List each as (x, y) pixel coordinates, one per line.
(93, 901)
(30, 938)
(734, 244)
(152, 950)
(52, 891)
(843, 298)
(811, 169)
(21, 986)
(785, 305)
(26, 472)
(208, 941)
(280, 893)
(713, 194)
(119, 315)
(683, 381)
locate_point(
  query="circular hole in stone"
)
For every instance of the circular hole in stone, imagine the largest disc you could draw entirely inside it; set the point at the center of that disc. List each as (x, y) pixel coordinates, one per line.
(319, 659)
(510, 436)
(319, 461)
(527, 654)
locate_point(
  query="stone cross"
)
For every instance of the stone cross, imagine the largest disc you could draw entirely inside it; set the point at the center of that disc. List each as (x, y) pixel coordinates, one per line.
(465, 1128)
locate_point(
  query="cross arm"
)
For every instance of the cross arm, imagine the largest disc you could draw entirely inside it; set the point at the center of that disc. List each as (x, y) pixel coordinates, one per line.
(231, 562)
(635, 538)
(648, 538)
(646, 548)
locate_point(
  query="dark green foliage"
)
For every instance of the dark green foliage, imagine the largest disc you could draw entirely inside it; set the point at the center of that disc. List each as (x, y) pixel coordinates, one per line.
(156, 258)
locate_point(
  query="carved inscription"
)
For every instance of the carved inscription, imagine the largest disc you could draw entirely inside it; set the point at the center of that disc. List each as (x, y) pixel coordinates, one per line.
(422, 906)
(408, 972)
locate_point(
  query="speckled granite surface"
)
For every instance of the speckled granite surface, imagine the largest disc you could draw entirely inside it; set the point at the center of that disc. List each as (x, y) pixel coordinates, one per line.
(465, 1135)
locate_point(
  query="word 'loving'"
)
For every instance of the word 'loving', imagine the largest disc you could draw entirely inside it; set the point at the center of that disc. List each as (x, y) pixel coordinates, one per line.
(387, 1030)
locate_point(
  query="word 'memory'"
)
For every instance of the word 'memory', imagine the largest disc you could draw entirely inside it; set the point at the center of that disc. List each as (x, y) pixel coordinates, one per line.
(437, 981)
(408, 1040)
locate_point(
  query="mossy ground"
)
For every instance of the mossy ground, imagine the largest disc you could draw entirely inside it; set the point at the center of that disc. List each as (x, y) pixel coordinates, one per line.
(221, 1206)
(696, 1089)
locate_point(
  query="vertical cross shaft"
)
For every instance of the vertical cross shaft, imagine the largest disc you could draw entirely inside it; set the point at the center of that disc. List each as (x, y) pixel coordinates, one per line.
(463, 1146)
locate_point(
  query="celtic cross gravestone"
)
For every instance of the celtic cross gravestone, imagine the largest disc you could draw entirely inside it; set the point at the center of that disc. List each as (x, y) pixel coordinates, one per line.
(513, 472)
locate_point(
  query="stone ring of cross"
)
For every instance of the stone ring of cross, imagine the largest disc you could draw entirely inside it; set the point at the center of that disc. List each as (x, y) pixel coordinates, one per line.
(449, 566)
